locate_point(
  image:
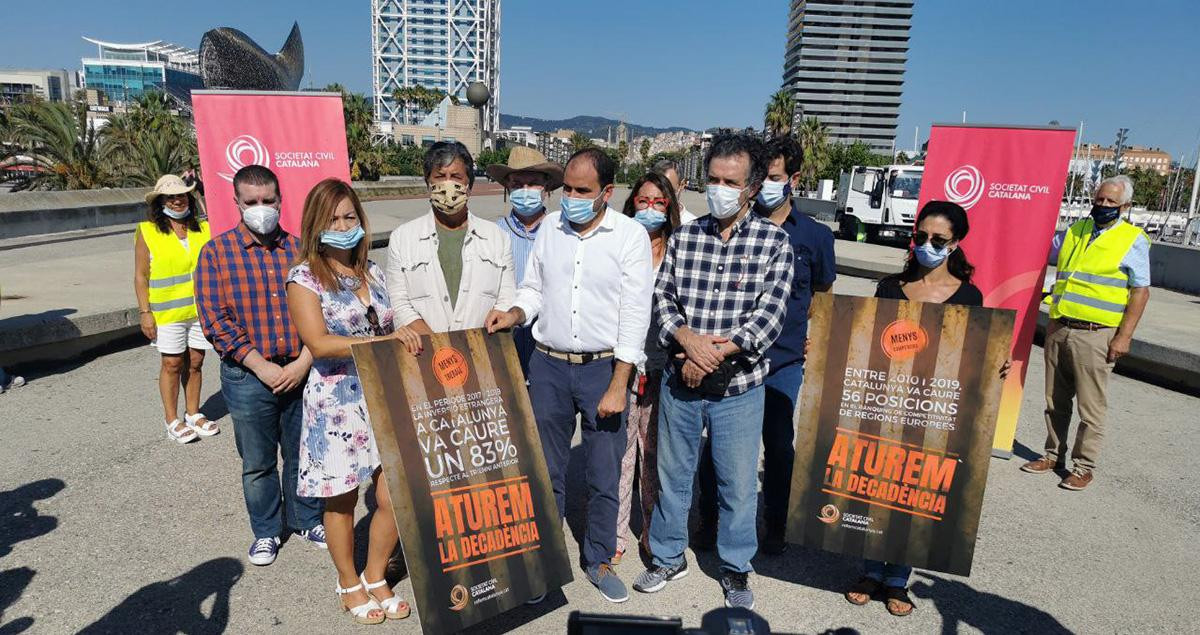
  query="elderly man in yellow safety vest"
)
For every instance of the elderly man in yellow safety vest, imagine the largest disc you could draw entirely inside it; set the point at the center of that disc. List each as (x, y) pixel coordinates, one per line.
(1100, 292)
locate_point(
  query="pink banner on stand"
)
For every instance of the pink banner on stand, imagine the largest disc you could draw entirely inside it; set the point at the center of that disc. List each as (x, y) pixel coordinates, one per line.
(301, 137)
(1010, 180)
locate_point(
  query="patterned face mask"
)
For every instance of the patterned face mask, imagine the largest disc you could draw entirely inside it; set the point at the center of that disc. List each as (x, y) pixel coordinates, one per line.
(448, 197)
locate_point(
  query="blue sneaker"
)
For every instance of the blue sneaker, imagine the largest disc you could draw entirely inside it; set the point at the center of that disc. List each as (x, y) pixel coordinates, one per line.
(610, 585)
(316, 536)
(263, 551)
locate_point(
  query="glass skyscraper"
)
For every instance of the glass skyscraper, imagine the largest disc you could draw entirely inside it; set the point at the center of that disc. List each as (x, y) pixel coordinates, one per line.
(125, 72)
(439, 44)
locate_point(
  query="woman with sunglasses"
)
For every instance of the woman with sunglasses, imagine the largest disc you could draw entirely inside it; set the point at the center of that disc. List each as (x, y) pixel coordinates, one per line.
(936, 271)
(336, 298)
(652, 203)
(166, 249)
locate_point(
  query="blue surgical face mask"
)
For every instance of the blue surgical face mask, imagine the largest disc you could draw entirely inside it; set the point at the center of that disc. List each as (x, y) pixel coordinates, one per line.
(929, 256)
(526, 201)
(650, 218)
(348, 239)
(177, 215)
(1105, 215)
(773, 193)
(579, 210)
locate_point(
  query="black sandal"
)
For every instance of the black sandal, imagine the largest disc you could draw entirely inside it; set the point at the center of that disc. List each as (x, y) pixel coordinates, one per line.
(865, 586)
(898, 594)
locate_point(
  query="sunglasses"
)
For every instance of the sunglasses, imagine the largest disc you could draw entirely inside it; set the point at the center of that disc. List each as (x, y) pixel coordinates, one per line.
(920, 238)
(373, 320)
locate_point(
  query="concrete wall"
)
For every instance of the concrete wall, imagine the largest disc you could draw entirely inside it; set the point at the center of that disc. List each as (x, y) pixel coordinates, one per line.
(1175, 267)
(36, 213)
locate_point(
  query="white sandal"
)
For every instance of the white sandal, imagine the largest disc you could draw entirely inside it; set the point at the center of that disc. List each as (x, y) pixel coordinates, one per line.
(187, 435)
(395, 608)
(361, 612)
(206, 429)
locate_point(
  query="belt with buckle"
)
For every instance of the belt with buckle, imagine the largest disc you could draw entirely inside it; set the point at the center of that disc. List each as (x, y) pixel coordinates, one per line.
(1082, 325)
(574, 358)
(281, 360)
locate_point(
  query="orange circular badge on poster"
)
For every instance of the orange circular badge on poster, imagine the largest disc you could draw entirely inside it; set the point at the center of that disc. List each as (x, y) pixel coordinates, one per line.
(450, 367)
(903, 339)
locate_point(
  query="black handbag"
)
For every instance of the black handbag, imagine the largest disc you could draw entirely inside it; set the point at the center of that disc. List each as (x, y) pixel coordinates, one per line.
(715, 383)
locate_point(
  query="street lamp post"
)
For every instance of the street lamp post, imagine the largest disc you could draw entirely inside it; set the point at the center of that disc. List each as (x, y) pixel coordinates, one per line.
(478, 95)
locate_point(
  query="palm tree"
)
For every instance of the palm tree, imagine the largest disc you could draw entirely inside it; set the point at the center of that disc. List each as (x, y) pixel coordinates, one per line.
(815, 145)
(365, 159)
(778, 116)
(644, 150)
(424, 99)
(147, 142)
(54, 142)
(579, 141)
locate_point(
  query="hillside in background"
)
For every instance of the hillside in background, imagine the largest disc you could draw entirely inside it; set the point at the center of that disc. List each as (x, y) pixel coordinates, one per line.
(589, 125)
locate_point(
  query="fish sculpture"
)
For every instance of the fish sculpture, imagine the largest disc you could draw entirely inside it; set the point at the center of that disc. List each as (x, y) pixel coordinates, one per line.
(230, 59)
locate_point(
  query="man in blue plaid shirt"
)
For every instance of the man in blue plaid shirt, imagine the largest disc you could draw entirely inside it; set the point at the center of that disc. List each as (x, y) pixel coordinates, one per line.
(721, 297)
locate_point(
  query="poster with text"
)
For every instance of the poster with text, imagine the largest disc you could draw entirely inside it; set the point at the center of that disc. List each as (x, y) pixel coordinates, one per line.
(464, 466)
(300, 136)
(894, 429)
(1010, 180)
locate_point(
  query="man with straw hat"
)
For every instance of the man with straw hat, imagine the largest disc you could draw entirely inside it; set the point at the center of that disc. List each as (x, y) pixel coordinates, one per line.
(528, 179)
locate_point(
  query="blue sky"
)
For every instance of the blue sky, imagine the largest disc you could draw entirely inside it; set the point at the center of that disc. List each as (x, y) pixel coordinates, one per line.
(702, 63)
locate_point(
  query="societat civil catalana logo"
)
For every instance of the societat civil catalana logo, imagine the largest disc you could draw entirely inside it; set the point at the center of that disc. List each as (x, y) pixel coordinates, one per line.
(829, 514)
(903, 339)
(458, 597)
(450, 367)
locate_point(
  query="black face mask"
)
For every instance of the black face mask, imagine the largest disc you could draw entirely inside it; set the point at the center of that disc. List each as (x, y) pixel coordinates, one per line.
(1105, 215)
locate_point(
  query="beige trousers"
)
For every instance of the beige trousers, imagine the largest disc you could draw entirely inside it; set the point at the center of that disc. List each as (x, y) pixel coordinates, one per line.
(1077, 368)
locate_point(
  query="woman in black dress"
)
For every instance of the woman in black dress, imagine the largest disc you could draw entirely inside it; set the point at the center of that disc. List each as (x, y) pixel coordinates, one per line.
(937, 271)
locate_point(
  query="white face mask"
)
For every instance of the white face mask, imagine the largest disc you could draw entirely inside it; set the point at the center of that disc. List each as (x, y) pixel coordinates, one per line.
(723, 201)
(177, 215)
(261, 219)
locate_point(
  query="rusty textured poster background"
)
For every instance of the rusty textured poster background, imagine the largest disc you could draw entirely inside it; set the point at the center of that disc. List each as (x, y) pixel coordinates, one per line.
(894, 429)
(463, 463)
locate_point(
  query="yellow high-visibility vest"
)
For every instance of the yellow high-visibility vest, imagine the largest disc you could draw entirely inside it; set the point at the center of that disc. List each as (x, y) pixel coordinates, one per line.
(1090, 285)
(171, 265)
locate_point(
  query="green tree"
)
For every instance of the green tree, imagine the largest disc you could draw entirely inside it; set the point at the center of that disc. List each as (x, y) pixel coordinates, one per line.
(54, 141)
(492, 157)
(777, 118)
(644, 150)
(147, 141)
(580, 141)
(425, 99)
(843, 157)
(623, 150)
(815, 145)
(366, 160)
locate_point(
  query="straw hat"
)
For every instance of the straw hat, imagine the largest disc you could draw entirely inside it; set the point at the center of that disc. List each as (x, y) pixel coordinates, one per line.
(525, 159)
(168, 184)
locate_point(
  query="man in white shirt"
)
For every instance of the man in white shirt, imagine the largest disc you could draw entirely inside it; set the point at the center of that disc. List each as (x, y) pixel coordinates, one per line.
(589, 284)
(447, 269)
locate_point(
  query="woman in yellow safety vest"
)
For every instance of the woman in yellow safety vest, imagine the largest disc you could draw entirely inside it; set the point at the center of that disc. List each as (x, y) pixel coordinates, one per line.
(166, 249)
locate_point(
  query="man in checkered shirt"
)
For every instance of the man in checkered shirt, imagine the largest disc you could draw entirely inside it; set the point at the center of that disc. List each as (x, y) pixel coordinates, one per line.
(721, 297)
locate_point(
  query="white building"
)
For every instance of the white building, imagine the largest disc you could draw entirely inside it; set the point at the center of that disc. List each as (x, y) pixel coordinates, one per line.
(444, 45)
(845, 66)
(124, 72)
(19, 84)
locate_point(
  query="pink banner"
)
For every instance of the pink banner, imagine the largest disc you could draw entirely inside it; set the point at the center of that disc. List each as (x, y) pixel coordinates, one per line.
(299, 136)
(1010, 180)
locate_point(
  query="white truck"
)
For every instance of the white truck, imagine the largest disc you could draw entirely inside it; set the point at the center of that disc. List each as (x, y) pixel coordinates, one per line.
(878, 204)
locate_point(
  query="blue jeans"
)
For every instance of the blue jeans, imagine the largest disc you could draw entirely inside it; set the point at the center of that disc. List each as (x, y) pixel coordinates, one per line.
(888, 573)
(265, 424)
(779, 452)
(735, 427)
(558, 391)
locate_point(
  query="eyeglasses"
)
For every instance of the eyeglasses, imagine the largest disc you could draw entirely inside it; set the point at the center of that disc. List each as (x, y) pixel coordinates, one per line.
(642, 202)
(171, 196)
(373, 320)
(920, 238)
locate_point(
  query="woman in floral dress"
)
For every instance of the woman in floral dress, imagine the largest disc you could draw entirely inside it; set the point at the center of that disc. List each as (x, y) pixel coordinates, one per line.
(337, 297)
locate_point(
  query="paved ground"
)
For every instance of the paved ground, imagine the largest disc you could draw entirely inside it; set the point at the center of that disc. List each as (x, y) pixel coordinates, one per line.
(105, 523)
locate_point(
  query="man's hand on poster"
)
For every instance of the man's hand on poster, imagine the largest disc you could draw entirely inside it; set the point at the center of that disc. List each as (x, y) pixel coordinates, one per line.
(503, 320)
(1004, 368)
(1118, 347)
(410, 339)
